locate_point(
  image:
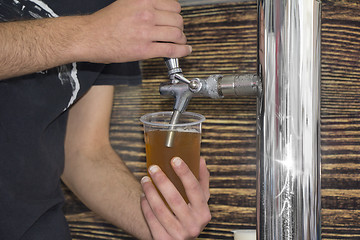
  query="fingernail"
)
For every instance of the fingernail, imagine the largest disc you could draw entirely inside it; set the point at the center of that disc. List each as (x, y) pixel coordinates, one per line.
(145, 179)
(176, 161)
(190, 48)
(153, 169)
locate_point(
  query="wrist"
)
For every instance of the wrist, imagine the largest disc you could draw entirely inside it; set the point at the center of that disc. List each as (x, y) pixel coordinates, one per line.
(79, 43)
(90, 44)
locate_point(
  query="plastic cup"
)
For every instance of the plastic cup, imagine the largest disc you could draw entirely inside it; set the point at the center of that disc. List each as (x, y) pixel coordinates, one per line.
(186, 143)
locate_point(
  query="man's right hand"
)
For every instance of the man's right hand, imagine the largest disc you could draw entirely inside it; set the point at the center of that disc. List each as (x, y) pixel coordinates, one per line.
(126, 30)
(130, 30)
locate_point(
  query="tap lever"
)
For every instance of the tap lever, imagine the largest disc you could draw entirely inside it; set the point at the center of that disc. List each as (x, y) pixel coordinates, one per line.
(194, 84)
(181, 78)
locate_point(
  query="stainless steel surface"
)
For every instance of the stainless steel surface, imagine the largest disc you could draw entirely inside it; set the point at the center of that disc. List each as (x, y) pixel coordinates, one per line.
(288, 171)
(215, 86)
(173, 68)
(181, 78)
(181, 102)
(180, 91)
(240, 85)
(170, 136)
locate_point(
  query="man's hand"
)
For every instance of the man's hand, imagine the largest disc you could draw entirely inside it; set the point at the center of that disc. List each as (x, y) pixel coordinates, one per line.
(186, 221)
(130, 30)
(126, 30)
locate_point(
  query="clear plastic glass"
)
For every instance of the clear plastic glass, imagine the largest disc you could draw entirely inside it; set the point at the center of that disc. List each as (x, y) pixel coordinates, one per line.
(186, 143)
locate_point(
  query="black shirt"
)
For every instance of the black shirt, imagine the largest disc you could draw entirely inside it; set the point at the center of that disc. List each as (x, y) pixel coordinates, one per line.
(33, 118)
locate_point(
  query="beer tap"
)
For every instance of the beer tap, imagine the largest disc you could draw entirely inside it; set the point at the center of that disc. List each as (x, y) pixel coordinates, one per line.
(181, 89)
(215, 86)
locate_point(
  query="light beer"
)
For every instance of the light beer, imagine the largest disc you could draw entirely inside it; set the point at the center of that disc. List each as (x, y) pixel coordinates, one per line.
(186, 145)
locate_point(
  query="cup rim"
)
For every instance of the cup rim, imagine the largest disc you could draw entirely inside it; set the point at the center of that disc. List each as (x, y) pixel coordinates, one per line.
(144, 121)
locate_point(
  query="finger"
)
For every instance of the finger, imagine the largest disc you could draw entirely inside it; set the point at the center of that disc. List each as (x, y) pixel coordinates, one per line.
(169, 192)
(165, 18)
(165, 217)
(167, 5)
(192, 186)
(156, 229)
(168, 34)
(199, 214)
(156, 203)
(170, 50)
(204, 176)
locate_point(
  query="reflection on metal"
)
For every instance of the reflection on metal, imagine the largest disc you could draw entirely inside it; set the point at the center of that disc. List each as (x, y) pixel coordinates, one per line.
(287, 85)
(288, 171)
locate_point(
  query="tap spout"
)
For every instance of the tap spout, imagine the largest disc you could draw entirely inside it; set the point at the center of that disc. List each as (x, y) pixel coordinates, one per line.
(181, 93)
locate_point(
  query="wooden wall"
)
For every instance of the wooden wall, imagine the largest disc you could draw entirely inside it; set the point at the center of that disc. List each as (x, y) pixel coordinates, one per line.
(223, 37)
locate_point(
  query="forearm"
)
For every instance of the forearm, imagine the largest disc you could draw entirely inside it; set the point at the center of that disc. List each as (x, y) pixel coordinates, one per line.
(103, 182)
(36, 45)
(126, 30)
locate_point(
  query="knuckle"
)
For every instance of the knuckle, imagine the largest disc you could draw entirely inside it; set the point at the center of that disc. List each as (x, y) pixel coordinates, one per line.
(160, 210)
(174, 200)
(207, 195)
(177, 6)
(182, 170)
(179, 35)
(159, 178)
(194, 231)
(146, 15)
(148, 215)
(194, 188)
(180, 20)
(180, 232)
(207, 217)
(171, 51)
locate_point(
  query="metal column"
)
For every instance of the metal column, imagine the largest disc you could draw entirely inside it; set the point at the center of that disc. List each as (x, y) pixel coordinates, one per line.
(288, 154)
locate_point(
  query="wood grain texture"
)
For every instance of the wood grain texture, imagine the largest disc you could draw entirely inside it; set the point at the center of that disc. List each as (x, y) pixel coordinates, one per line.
(223, 37)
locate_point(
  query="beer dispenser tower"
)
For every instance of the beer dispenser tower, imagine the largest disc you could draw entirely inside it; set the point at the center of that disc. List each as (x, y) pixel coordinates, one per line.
(287, 86)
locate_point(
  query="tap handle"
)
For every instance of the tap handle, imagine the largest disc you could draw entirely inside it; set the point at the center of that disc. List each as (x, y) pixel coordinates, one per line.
(173, 68)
